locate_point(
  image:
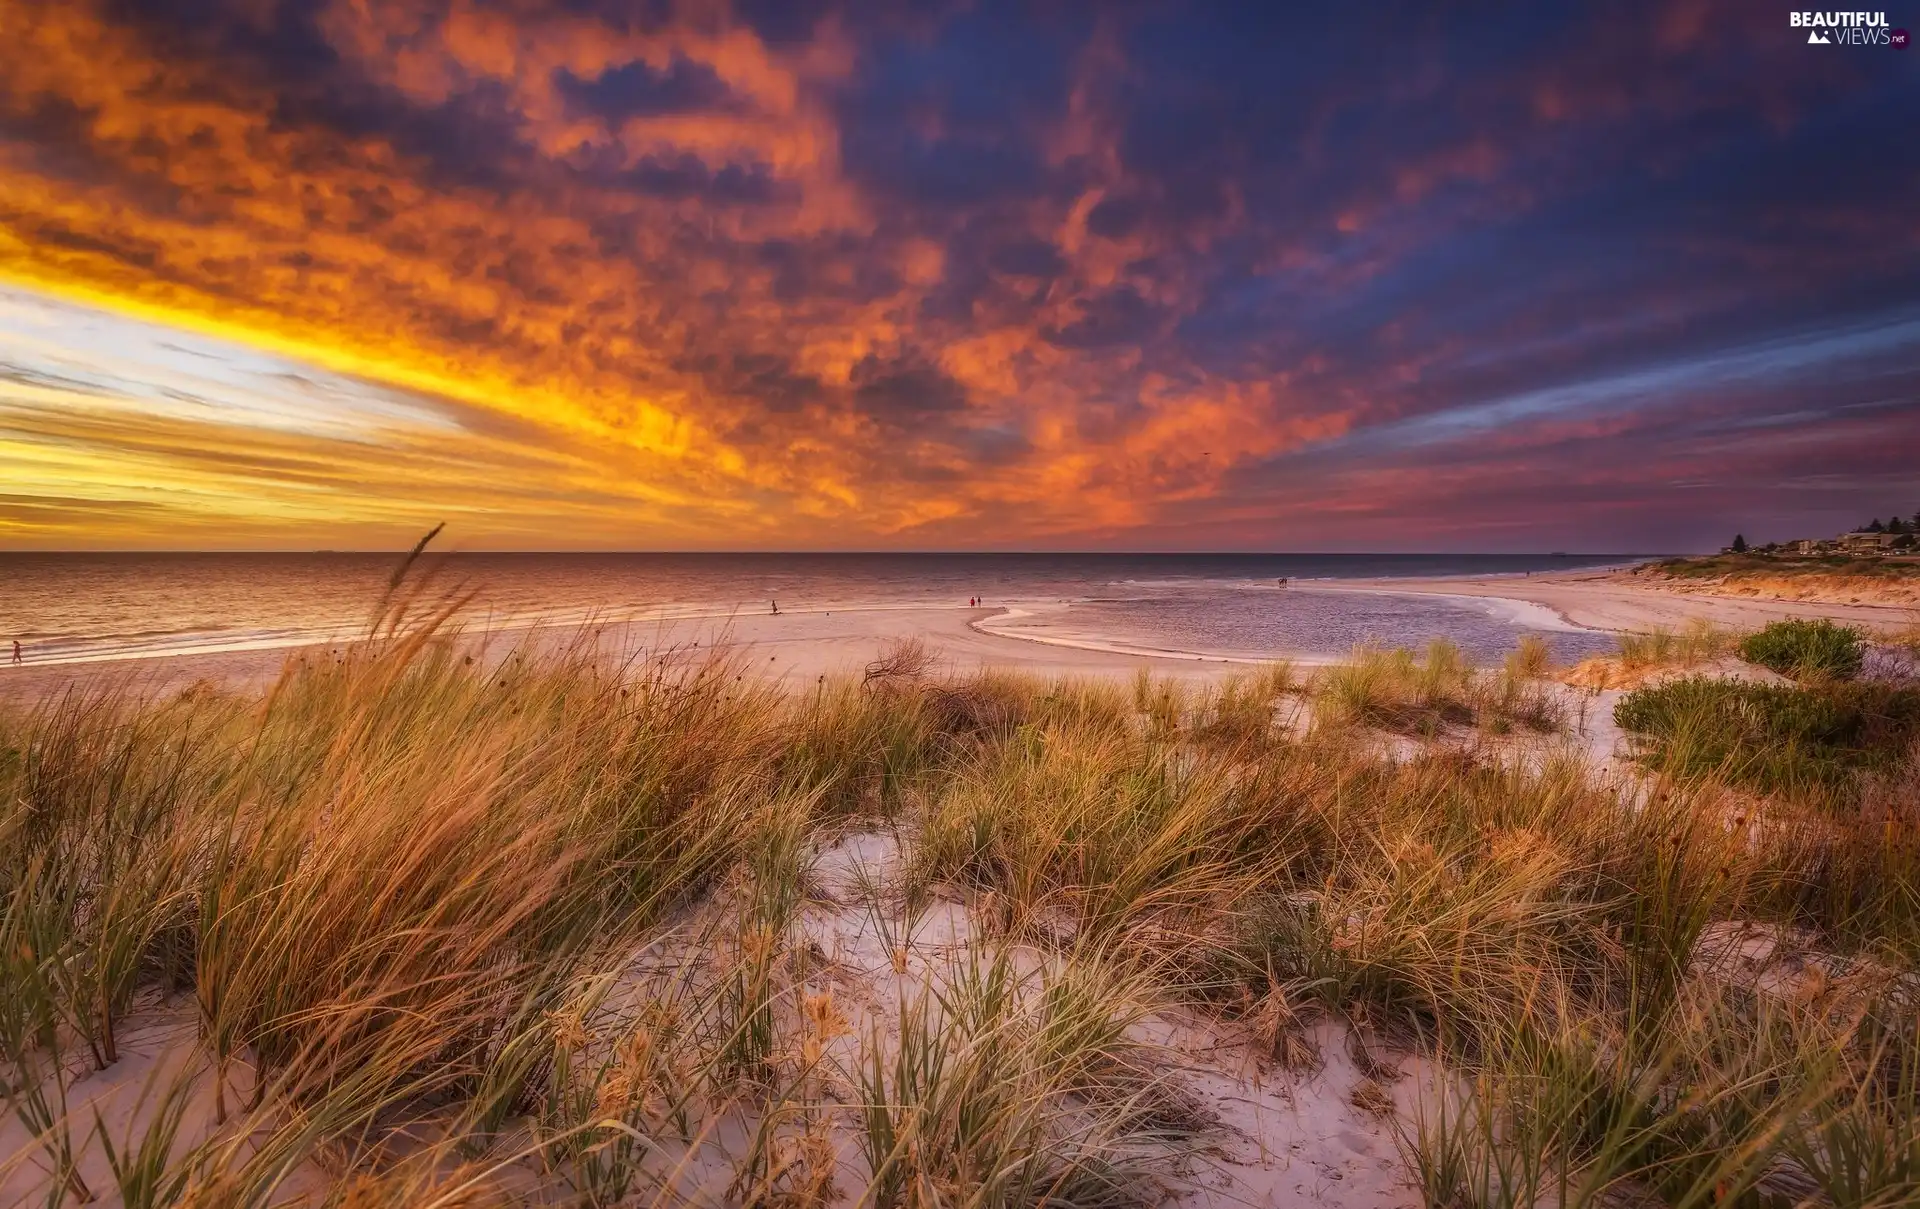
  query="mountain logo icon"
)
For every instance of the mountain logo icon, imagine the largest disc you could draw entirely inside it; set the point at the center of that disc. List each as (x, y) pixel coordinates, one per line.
(1817, 38)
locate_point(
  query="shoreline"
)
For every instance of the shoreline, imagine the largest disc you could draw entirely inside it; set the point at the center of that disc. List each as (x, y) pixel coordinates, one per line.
(810, 643)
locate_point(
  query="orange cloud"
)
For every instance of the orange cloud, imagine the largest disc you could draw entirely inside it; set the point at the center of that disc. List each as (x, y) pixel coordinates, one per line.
(586, 313)
(682, 279)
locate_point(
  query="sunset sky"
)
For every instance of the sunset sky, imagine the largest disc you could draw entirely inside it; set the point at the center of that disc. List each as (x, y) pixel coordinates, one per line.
(798, 275)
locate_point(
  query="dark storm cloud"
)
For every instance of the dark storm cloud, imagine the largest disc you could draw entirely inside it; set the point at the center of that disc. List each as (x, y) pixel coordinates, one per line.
(634, 89)
(905, 390)
(688, 176)
(953, 122)
(769, 380)
(1119, 316)
(1027, 258)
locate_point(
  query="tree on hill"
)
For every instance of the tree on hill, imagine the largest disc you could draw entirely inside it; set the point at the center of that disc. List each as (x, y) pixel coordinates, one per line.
(1874, 527)
(1739, 543)
(1896, 525)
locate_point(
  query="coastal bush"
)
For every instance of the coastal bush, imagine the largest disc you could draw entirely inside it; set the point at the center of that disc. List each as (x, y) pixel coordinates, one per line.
(1106, 826)
(1241, 711)
(1807, 742)
(1806, 649)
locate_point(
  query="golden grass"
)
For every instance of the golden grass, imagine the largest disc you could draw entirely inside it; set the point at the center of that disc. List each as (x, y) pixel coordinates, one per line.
(456, 927)
(1422, 695)
(1651, 655)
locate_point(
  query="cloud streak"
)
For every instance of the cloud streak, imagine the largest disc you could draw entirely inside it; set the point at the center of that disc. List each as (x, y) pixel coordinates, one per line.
(823, 275)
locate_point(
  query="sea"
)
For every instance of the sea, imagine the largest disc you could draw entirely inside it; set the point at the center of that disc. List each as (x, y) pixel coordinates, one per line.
(85, 607)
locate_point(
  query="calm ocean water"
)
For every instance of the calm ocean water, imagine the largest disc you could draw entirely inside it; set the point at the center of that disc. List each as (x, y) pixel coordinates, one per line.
(67, 607)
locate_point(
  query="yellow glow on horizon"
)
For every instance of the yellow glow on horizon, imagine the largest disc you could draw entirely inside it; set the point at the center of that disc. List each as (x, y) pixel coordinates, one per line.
(660, 431)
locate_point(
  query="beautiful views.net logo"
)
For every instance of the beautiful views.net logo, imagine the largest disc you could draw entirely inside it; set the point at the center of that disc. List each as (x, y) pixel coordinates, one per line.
(1848, 29)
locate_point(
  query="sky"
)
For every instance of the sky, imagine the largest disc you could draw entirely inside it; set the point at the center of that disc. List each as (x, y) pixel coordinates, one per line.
(798, 274)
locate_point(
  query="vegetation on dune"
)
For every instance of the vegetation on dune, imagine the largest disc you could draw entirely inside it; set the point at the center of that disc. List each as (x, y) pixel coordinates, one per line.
(453, 926)
(1809, 742)
(1907, 637)
(1806, 650)
(1397, 690)
(1736, 567)
(1697, 642)
(1648, 653)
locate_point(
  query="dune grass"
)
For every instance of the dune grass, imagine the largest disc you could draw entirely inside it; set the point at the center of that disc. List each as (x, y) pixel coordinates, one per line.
(1697, 642)
(1423, 694)
(453, 925)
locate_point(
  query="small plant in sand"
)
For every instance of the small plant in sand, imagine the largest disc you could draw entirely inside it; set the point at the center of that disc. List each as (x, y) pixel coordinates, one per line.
(1020, 1088)
(1531, 658)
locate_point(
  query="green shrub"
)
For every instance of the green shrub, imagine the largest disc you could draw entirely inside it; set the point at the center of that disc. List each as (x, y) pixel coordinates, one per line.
(1805, 649)
(1804, 741)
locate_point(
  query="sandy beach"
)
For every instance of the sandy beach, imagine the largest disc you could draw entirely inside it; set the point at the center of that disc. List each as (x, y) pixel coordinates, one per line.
(803, 646)
(1611, 600)
(796, 647)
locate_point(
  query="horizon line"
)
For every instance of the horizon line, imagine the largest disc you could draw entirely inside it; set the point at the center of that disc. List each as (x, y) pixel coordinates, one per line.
(948, 553)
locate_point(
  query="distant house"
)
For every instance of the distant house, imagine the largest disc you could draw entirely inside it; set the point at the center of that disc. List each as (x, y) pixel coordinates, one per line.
(1866, 543)
(1805, 545)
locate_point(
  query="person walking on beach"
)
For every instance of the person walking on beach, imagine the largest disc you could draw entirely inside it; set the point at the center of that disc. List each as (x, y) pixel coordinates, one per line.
(776, 607)
(16, 651)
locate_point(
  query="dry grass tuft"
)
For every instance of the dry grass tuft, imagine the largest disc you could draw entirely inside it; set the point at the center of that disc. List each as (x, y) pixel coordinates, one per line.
(1423, 695)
